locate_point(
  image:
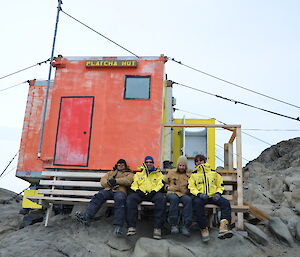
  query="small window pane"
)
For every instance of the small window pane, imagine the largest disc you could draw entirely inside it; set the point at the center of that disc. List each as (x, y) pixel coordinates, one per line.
(137, 87)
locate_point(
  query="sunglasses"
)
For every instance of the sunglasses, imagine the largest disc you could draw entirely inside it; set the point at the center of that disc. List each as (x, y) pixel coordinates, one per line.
(148, 161)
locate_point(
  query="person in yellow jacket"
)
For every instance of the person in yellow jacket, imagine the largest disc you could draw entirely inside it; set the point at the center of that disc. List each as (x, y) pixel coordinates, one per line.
(207, 187)
(176, 185)
(146, 186)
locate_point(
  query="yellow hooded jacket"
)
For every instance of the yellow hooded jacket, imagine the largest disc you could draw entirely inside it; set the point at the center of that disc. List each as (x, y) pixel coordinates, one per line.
(205, 181)
(147, 182)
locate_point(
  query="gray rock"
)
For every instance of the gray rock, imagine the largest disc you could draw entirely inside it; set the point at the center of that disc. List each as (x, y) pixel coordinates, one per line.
(297, 208)
(254, 194)
(237, 246)
(276, 188)
(288, 216)
(288, 198)
(281, 231)
(298, 231)
(293, 181)
(257, 234)
(296, 194)
(146, 247)
(267, 208)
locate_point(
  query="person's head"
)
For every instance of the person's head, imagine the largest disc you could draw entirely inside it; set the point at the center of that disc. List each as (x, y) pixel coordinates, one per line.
(121, 165)
(149, 161)
(182, 164)
(200, 159)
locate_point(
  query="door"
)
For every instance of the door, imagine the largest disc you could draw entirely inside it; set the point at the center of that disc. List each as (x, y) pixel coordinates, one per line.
(74, 131)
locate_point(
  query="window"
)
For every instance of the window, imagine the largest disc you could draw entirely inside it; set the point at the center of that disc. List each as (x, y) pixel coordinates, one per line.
(137, 87)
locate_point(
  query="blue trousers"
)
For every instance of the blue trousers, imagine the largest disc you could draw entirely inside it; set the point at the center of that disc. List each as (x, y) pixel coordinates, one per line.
(103, 195)
(174, 200)
(159, 208)
(199, 204)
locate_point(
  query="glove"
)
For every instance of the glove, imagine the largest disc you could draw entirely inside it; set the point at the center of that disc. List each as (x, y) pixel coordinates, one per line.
(216, 197)
(203, 196)
(151, 194)
(112, 182)
(140, 193)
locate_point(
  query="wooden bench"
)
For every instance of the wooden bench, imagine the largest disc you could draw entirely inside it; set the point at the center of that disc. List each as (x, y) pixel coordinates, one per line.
(71, 187)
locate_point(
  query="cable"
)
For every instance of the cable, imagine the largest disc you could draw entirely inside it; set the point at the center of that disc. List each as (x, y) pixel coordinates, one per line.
(9, 163)
(238, 102)
(233, 84)
(219, 158)
(12, 86)
(99, 33)
(176, 109)
(8, 172)
(226, 124)
(233, 153)
(253, 129)
(7, 201)
(39, 63)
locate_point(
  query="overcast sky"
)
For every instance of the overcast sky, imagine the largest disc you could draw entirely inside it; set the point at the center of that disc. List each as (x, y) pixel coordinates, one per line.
(252, 43)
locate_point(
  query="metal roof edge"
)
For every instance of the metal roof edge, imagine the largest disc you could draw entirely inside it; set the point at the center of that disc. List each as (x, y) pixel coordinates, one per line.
(84, 58)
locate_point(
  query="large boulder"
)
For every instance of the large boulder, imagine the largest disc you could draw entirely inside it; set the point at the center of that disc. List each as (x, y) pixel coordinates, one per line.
(146, 247)
(281, 231)
(288, 217)
(298, 231)
(297, 208)
(10, 218)
(283, 155)
(296, 194)
(255, 195)
(293, 181)
(237, 246)
(257, 234)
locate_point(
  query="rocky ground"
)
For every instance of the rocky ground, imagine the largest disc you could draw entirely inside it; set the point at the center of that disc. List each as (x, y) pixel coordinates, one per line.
(272, 184)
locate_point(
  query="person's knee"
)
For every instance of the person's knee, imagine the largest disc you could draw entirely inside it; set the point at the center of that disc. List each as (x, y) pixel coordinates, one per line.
(172, 198)
(198, 202)
(188, 201)
(120, 196)
(131, 200)
(224, 202)
(159, 199)
(99, 195)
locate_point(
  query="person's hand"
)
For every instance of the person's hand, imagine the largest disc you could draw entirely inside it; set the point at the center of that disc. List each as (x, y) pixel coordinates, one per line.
(112, 182)
(140, 193)
(203, 196)
(216, 197)
(151, 194)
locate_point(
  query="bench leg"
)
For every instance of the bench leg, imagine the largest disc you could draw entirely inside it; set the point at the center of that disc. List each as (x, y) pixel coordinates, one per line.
(49, 210)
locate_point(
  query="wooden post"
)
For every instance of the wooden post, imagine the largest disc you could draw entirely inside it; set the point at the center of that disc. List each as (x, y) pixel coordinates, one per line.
(228, 156)
(240, 218)
(50, 206)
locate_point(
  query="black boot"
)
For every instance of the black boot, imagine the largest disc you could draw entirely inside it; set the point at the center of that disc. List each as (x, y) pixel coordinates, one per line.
(82, 218)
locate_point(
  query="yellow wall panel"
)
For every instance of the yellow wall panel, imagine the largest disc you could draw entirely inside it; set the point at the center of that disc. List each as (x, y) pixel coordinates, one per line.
(29, 204)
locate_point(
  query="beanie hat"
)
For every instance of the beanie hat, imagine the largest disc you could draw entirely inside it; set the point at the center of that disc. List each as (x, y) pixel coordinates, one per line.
(121, 161)
(183, 160)
(148, 158)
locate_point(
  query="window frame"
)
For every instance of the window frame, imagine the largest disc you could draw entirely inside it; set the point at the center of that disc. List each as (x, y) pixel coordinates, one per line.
(136, 76)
